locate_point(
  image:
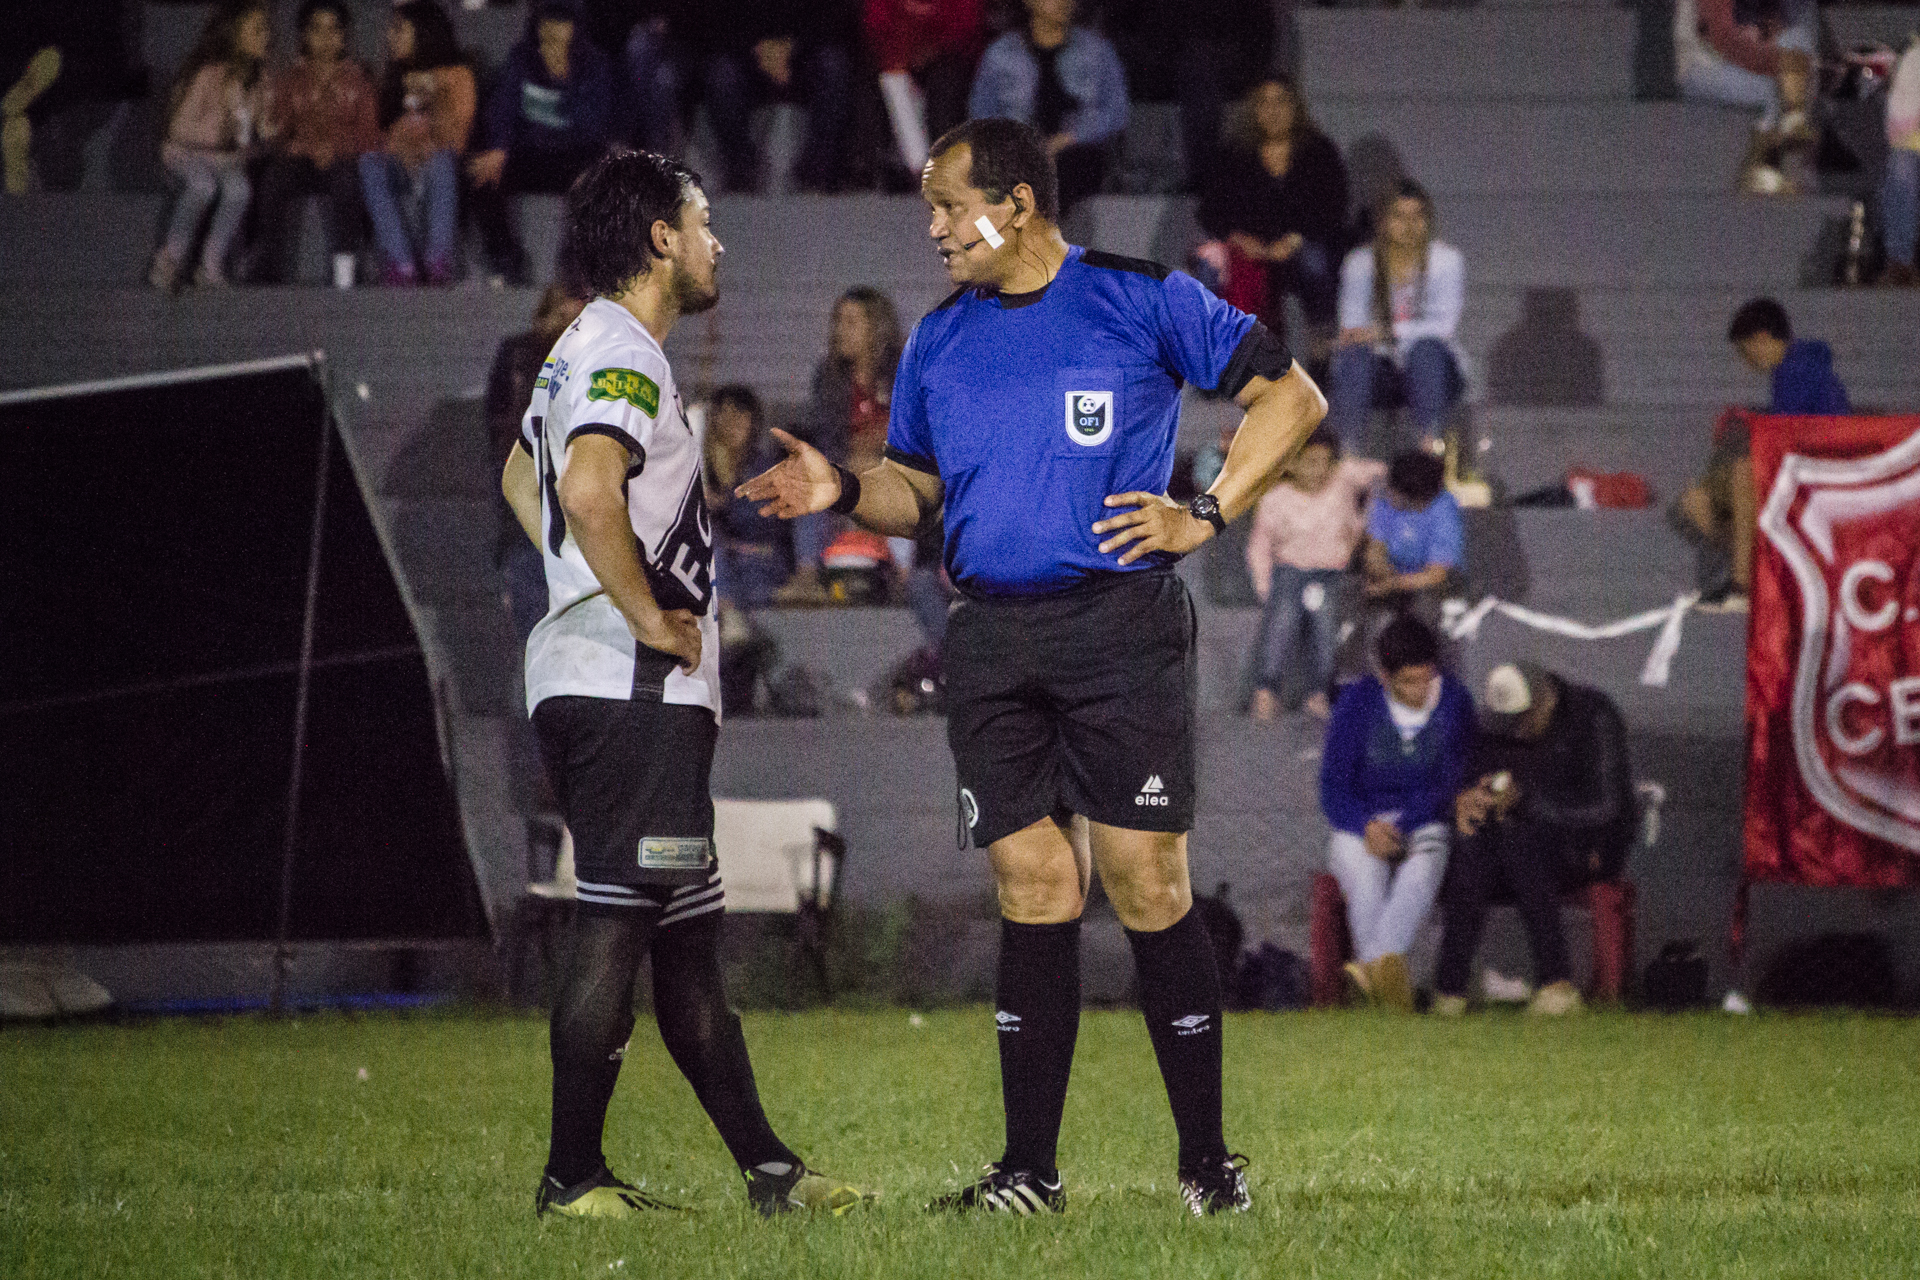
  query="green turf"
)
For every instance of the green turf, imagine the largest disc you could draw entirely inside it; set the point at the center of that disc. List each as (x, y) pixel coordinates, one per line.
(1608, 1146)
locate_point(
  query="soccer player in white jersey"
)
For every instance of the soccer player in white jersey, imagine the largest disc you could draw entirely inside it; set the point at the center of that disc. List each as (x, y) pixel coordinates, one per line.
(624, 689)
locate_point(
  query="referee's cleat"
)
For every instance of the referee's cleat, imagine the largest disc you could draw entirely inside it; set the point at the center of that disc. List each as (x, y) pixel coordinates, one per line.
(788, 1188)
(1016, 1191)
(1216, 1186)
(600, 1196)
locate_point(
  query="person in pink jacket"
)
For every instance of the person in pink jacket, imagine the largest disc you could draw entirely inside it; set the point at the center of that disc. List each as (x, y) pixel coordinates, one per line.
(1303, 538)
(217, 112)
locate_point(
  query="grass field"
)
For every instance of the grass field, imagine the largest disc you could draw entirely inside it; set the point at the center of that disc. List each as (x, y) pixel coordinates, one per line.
(1610, 1146)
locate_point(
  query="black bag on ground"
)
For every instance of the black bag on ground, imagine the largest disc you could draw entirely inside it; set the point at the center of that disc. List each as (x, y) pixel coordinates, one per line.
(1854, 970)
(1676, 979)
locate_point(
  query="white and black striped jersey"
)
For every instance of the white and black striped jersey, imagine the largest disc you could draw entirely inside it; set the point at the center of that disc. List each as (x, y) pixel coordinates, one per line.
(607, 376)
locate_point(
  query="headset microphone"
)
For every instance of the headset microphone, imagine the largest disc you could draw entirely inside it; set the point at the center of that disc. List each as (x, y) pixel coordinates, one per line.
(990, 234)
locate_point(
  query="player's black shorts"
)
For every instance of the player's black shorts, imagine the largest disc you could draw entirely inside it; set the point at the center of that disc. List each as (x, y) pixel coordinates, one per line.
(1080, 702)
(634, 781)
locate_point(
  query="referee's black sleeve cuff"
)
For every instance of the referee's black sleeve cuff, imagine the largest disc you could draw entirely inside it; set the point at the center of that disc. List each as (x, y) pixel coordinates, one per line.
(913, 461)
(615, 434)
(1260, 354)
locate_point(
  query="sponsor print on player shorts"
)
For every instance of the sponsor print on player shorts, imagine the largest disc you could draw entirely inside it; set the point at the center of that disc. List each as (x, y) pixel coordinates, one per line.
(636, 388)
(675, 853)
(1152, 794)
(1089, 417)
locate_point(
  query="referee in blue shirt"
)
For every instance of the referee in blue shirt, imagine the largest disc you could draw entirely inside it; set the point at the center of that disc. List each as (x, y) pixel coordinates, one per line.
(1038, 406)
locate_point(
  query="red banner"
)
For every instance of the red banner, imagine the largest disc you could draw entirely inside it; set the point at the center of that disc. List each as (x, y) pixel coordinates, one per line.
(1833, 653)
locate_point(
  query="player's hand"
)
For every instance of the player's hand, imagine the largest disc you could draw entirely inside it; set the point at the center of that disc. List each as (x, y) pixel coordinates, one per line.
(672, 631)
(1383, 840)
(1156, 523)
(799, 484)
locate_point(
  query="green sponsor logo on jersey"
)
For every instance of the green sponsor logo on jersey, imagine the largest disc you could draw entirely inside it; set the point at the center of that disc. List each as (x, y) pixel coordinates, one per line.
(636, 388)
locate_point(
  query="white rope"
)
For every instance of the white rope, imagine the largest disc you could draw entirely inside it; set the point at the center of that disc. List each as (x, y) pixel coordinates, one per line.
(1466, 626)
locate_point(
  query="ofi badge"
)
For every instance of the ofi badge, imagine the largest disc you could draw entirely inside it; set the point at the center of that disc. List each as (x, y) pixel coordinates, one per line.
(1089, 417)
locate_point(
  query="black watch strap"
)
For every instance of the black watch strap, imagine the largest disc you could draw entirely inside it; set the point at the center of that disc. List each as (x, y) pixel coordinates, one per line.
(1207, 507)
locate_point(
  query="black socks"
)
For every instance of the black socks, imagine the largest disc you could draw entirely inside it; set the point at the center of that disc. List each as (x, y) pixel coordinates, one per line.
(1038, 1019)
(1180, 996)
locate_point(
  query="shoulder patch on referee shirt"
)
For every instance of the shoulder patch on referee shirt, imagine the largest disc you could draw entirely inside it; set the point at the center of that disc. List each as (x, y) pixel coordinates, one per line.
(1089, 417)
(674, 853)
(636, 388)
(1117, 262)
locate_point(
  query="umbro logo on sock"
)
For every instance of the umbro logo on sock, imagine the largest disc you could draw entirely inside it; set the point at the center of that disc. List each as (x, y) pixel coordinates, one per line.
(1007, 1021)
(1152, 793)
(1191, 1025)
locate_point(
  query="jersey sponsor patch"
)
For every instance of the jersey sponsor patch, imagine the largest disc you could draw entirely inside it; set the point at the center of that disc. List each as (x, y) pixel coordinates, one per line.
(1089, 417)
(675, 853)
(636, 388)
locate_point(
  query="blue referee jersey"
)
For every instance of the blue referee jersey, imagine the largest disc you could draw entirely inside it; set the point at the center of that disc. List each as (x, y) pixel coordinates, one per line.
(1032, 408)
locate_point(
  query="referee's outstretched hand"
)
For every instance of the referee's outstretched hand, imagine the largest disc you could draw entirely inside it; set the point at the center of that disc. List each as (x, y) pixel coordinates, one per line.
(1156, 523)
(799, 484)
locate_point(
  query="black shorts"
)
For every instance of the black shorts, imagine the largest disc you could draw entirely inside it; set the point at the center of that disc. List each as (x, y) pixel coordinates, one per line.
(635, 785)
(1080, 702)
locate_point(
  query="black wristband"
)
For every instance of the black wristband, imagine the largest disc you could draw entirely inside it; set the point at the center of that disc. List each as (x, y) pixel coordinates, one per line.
(849, 492)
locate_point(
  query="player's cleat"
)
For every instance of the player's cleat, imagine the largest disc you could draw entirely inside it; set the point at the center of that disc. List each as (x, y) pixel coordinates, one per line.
(1017, 1191)
(795, 1187)
(1216, 1186)
(600, 1196)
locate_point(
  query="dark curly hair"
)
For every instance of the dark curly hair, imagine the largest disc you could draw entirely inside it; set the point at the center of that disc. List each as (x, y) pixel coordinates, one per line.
(1406, 642)
(1416, 475)
(611, 209)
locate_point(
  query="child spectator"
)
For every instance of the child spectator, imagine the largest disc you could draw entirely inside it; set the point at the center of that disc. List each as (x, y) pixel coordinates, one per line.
(1298, 551)
(425, 105)
(1396, 755)
(1400, 302)
(1065, 81)
(1757, 54)
(214, 115)
(1900, 189)
(1276, 200)
(1415, 538)
(321, 113)
(549, 115)
(751, 552)
(846, 416)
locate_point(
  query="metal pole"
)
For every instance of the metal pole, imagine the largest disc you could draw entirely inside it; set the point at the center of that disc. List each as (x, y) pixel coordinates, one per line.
(282, 954)
(167, 378)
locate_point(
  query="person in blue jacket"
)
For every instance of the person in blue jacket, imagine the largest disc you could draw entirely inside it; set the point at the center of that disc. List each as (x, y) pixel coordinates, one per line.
(1396, 754)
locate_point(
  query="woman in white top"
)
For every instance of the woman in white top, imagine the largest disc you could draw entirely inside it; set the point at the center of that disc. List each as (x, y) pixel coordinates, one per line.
(1396, 324)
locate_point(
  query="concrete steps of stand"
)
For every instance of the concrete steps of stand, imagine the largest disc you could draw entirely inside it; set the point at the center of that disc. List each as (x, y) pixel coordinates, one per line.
(1554, 53)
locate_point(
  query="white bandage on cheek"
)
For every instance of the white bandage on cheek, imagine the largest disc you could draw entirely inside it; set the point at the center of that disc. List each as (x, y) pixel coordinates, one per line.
(989, 232)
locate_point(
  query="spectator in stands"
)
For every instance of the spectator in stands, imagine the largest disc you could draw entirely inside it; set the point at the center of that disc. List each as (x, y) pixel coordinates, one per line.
(321, 115)
(425, 106)
(1400, 302)
(214, 116)
(651, 69)
(1276, 201)
(1067, 82)
(549, 115)
(754, 52)
(1303, 538)
(918, 49)
(1552, 810)
(752, 553)
(30, 65)
(846, 416)
(1396, 754)
(1202, 53)
(1900, 188)
(516, 367)
(1757, 54)
(1717, 512)
(1415, 537)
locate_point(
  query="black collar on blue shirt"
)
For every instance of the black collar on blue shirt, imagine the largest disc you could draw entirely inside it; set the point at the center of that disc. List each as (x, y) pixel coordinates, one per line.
(1014, 301)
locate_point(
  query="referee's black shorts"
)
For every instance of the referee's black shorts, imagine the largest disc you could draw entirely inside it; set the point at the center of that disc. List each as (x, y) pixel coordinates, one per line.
(1080, 702)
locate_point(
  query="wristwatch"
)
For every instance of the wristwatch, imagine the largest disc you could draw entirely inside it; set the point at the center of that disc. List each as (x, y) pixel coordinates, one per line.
(1207, 507)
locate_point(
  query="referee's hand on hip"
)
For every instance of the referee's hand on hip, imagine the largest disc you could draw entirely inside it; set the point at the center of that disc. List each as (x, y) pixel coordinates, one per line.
(1156, 523)
(799, 484)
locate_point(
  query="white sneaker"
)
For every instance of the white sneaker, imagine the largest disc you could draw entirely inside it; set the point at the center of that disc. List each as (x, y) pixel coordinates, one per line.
(1501, 989)
(1556, 1000)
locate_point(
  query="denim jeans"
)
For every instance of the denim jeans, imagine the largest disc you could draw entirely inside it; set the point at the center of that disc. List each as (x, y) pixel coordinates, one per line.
(216, 181)
(1387, 901)
(747, 574)
(385, 182)
(1312, 595)
(823, 75)
(656, 82)
(1900, 204)
(1427, 382)
(1735, 86)
(1314, 275)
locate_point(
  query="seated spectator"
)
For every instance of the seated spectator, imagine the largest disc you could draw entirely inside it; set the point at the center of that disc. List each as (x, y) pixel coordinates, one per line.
(30, 65)
(754, 52)
(651, 69)
(1552, 810)
(1276, 200)
(214, 115)
(425, 106)
(1717, 512)
(516, 367)
(1900, 188)
(1400, 302)
(1415, 537)
(321, 116)
(846, 416)
(1202, 54)
(549, 115)
(1758, 54)
(923, 56)
(752, 553)
(1065, 81)
(1298, 552)
(1396, 754)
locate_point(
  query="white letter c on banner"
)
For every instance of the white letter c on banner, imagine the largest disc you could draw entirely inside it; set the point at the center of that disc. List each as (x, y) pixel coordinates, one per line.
(1836, 711)
(1880, 619)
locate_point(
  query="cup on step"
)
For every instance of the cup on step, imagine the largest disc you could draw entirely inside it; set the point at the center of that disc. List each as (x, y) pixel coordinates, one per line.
(343, 270)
